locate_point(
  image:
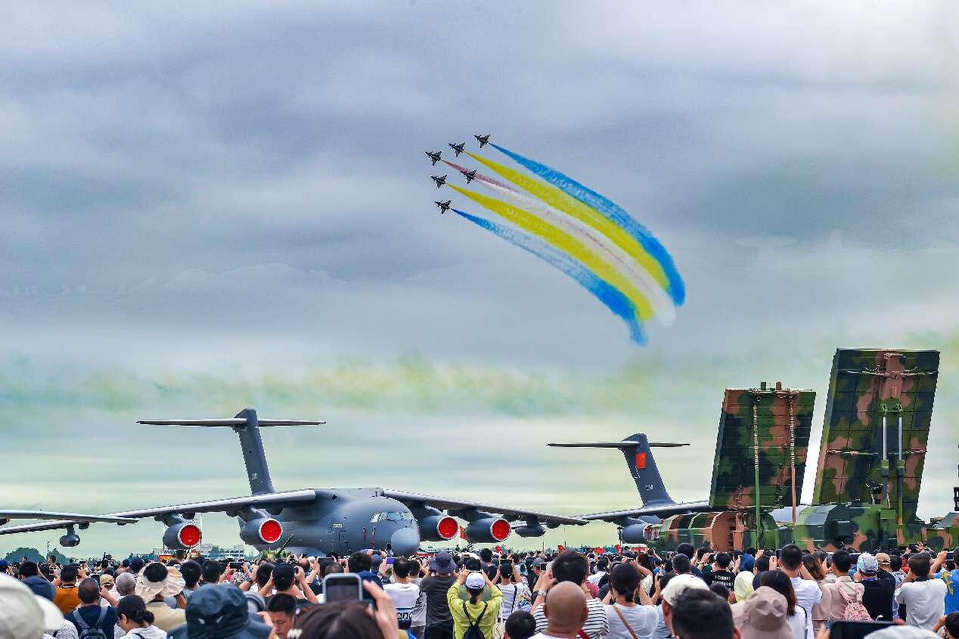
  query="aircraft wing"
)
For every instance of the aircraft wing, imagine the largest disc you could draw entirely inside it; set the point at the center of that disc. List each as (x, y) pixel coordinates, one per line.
(454, 505)
(660, 510)
(232, 504)
(6, 515)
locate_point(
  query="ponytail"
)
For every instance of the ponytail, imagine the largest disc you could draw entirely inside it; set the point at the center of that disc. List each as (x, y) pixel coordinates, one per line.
(475, 595)
(135, 610)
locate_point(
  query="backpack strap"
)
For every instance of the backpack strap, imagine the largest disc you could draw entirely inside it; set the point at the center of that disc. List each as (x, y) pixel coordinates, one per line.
(80, 621)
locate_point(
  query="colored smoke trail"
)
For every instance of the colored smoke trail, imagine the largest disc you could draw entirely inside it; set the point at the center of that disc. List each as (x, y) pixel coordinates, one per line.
(561, 201)
(601, 246)
(612, 211)
(563, 241)
(612, 298)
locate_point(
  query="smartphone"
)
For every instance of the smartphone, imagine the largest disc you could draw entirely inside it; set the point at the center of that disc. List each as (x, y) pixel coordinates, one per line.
(856, 629)
(338, 586)
(389, 561)
(236, 565)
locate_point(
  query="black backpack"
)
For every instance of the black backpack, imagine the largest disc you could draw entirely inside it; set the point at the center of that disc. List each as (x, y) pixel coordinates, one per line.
(473, 631)
(91, 632)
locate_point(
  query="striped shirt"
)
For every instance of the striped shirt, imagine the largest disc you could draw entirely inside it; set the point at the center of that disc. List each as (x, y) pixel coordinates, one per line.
(597, 624)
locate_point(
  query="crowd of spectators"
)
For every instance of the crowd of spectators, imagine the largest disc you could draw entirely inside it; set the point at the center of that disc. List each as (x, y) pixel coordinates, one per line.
(688, 594)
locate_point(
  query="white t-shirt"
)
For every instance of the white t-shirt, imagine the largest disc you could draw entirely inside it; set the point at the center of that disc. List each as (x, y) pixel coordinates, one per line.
(808, 595)
(510, 593)
(404, 597)
(642, 619)
(798, 623)
(596, 577)
(925, 602)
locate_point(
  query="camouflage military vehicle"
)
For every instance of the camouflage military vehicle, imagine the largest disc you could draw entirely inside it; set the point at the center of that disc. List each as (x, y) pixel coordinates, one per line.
(869, 473)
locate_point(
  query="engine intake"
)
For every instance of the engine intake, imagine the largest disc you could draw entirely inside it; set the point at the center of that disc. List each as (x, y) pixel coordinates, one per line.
(635, 533)
(488, 530)
(438, 528)
(182, 536)
(70, 540)
(530, 531)
(261, 531)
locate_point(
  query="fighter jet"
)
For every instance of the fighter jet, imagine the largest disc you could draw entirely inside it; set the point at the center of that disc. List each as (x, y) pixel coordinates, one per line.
(470, 175)
(439, 179)
(482, 139)
(434, 156)
(458, 148)
(444, 206)
(320, 521)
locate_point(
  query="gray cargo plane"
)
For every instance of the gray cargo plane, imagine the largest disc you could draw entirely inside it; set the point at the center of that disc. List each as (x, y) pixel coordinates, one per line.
(326, 520)
(634, 522)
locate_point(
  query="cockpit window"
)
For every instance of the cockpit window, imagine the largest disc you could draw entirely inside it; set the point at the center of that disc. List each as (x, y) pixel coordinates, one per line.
(391, 516)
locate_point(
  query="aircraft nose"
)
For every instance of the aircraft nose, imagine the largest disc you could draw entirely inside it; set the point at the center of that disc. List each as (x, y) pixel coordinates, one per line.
(406, 541)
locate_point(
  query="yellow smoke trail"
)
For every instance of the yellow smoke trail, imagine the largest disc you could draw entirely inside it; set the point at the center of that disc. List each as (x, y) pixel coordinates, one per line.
(585, 214)
(566, 243)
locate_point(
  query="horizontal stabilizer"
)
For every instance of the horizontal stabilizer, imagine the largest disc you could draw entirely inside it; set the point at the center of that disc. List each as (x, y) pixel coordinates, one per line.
(228, 422)
(622, 444)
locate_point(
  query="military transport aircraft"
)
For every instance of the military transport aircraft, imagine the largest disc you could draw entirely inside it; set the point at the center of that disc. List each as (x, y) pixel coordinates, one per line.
(323, 520)
(434, 156)
(439, 179)
(444, 206)
(482, 139)
(458, 148)
(637, 449)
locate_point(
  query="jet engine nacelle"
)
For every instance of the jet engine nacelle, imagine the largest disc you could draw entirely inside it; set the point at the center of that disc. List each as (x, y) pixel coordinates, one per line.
(260, 531)
(635, 533)
(438, 528)
(182, 536)
(530, 531)
(488, 530)
(70, 540)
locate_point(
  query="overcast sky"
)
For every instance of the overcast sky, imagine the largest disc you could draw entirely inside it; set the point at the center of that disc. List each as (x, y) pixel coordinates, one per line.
(229, 204)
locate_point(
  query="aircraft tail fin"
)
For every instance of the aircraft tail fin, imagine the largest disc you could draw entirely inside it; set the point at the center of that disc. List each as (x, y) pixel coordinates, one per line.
(247, 425)
(637, 449)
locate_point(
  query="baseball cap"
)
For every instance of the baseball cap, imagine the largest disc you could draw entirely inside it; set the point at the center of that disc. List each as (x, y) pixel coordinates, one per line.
(475, 581)
(883, 559)
(537, 562)
(680, 584)
(763, 615)
(867, 564)
(216, 611)
(24, 615)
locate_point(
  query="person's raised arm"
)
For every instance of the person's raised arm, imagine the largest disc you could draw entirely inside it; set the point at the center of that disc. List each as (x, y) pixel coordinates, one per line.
(308, 593)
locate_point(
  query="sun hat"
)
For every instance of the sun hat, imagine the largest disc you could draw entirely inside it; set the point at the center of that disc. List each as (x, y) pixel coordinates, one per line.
(24, 615)
(867, 564)
(156, 579)
(763, 615)
(442, 562)
(220, 612)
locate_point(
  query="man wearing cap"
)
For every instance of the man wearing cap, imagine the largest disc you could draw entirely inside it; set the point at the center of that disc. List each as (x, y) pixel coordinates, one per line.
(676, 588)
(763, 615)
(439, 621)
(878, 594)
(217, 612)
(155, 583)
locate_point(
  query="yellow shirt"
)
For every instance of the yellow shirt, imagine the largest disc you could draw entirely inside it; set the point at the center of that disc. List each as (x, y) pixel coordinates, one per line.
(66, 599)
(460, 621)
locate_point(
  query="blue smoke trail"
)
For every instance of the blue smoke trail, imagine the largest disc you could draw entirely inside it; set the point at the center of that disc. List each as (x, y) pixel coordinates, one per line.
(610, 296)
(589, 197)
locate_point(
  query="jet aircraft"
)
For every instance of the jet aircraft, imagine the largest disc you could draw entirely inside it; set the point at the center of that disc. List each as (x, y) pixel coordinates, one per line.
(470, 175)
(458, 148)
(320, 521)
(482, 139)
(439, 179)
(444, 206)
(434, 156)
(637, 449)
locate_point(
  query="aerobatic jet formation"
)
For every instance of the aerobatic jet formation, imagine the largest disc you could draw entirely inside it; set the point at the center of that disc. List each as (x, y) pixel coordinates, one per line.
(319, 521)
(439, 179)
(482, 139)
(469, 175)
(458, 148)
(444, 206)
(434, 156)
